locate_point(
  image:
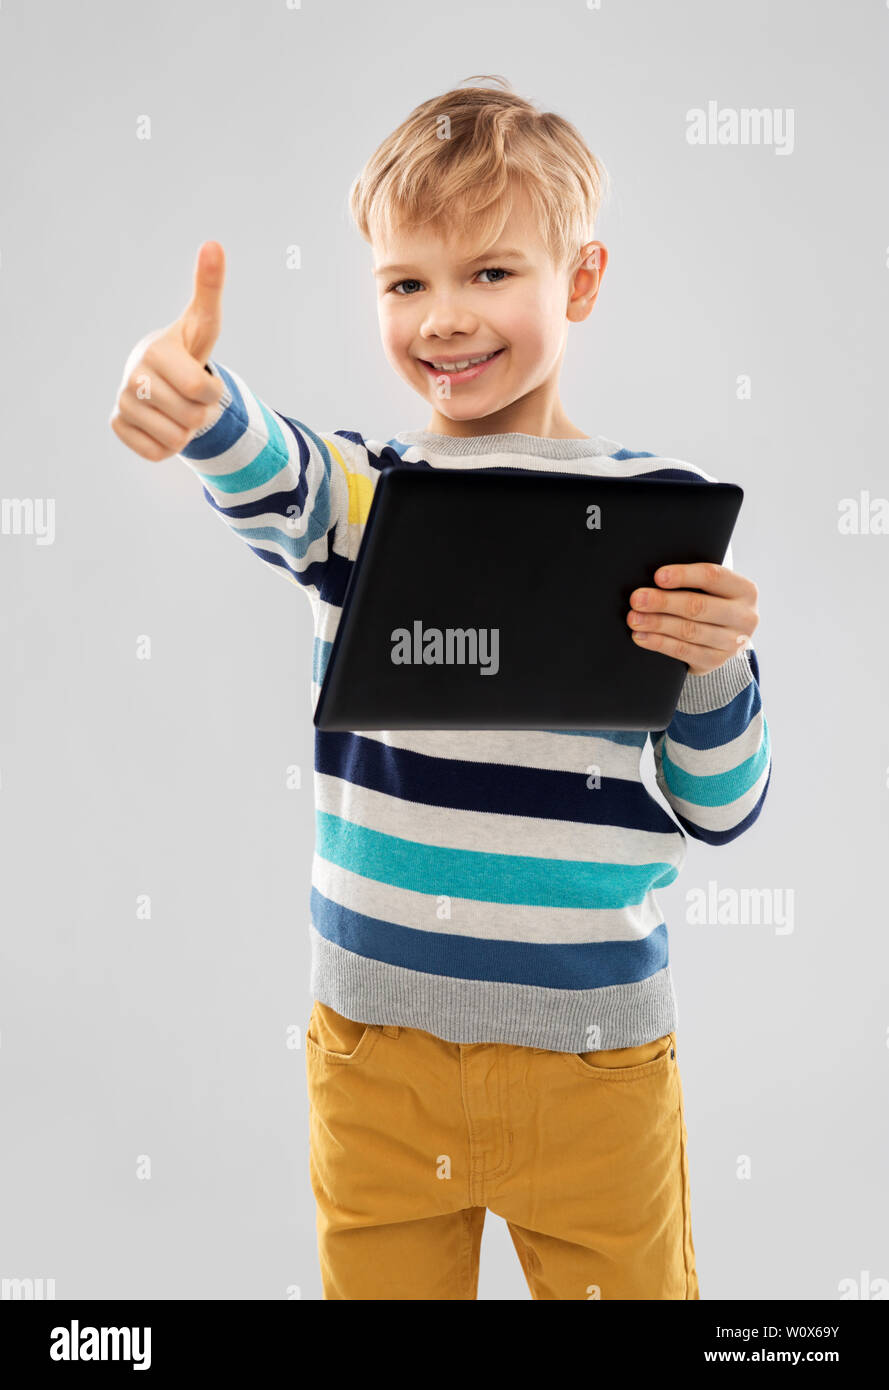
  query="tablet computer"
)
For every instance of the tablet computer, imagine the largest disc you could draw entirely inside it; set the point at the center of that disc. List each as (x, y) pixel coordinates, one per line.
(497, 599)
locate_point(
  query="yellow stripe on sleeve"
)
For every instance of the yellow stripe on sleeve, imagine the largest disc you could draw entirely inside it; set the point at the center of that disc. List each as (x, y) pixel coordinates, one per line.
(360, 487)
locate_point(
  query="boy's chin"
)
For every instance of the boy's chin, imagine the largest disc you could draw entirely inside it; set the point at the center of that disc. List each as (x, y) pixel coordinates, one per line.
(458, 412)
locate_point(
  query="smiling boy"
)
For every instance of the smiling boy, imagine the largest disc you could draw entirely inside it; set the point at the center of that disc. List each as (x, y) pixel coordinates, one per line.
(494, 1025)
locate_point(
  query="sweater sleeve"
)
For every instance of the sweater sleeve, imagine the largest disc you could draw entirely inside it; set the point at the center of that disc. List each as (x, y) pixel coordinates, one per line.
(277, 484)
(713, 762)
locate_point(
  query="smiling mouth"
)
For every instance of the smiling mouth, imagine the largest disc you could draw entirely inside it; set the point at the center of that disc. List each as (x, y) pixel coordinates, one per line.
(464, 367)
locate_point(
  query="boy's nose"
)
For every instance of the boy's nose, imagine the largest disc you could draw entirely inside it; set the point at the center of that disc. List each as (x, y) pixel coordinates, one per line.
(443, 320)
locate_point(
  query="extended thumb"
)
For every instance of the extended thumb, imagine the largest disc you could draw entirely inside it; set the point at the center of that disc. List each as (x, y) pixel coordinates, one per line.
(202, 320)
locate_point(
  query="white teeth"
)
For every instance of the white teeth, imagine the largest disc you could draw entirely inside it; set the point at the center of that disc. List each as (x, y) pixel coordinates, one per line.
(461, 366)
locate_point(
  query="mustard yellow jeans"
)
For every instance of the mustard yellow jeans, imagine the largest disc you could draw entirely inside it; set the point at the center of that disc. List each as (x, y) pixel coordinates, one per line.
(413, 1138)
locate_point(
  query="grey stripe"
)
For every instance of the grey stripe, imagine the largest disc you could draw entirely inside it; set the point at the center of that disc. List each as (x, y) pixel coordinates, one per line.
(507, 444)
(478, 1011)
(703, 694)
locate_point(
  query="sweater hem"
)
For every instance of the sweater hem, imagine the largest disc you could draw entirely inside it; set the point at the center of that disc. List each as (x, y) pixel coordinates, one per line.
(485, 1011)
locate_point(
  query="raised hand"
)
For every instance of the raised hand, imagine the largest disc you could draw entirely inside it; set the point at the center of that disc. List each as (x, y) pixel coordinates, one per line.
(165, 395)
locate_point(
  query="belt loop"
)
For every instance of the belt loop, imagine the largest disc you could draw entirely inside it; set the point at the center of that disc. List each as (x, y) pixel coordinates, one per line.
(391, 1030)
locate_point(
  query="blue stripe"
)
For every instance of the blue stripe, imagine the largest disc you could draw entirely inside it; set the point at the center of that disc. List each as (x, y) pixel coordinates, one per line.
(272, 457)
(399, 448)
(715, 727)
(584, 965)
(494, 788)
(228, 428)
(521, 879)
(318, 573)
(720, 788)
(630, 738)
(388, 457)
(724, 837)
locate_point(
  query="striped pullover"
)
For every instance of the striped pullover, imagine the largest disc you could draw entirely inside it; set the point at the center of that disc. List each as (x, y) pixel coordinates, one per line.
(486, 886)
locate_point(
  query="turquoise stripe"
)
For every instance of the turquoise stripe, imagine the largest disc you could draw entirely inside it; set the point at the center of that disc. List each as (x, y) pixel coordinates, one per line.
(495, 878)
(320, 656)
(269, 461)
(722, 788)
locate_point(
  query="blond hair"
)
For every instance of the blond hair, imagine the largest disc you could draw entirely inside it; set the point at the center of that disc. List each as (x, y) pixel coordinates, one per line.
(459, 158)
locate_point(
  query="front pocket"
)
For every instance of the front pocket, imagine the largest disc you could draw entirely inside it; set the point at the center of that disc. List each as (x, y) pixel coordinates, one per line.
(331, 1037)
(626, 1063)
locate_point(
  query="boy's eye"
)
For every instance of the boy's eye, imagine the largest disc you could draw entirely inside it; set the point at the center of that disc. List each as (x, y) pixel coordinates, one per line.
(488, 270)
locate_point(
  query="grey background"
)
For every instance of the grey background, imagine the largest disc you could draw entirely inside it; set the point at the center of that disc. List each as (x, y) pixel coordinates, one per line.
(120, 777)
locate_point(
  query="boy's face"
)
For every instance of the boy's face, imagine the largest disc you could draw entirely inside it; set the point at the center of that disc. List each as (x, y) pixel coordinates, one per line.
(439, 303)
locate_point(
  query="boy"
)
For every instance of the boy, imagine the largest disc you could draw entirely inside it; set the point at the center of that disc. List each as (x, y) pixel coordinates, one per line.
(494, 1018)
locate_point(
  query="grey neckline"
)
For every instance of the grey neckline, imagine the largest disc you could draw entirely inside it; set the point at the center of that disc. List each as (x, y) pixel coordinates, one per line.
(447, 444)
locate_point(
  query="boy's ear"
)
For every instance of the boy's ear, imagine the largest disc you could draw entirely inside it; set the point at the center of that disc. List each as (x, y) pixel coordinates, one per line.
(587, 280)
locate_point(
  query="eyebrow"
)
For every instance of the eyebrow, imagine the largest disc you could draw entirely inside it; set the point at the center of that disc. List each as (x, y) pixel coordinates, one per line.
(507, 254)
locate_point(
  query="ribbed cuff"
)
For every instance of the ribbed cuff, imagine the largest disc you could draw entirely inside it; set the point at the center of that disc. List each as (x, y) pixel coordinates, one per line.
(224, 403)
(712, 690)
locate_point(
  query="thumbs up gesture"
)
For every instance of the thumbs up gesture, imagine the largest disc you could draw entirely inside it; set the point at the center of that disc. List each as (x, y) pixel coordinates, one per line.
(166, 396)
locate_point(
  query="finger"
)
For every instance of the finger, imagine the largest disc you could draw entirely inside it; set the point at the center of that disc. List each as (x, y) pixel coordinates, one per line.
(152, 387)
(713, 579)
(137, 440)
(202, 319)
(689, 652)
(722, 612)
(169, 359)
(722, 639)
(151, 421)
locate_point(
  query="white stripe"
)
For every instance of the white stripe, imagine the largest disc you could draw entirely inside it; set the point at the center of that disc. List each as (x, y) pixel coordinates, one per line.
(599, 464)
(706, 762)
(487, 832)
